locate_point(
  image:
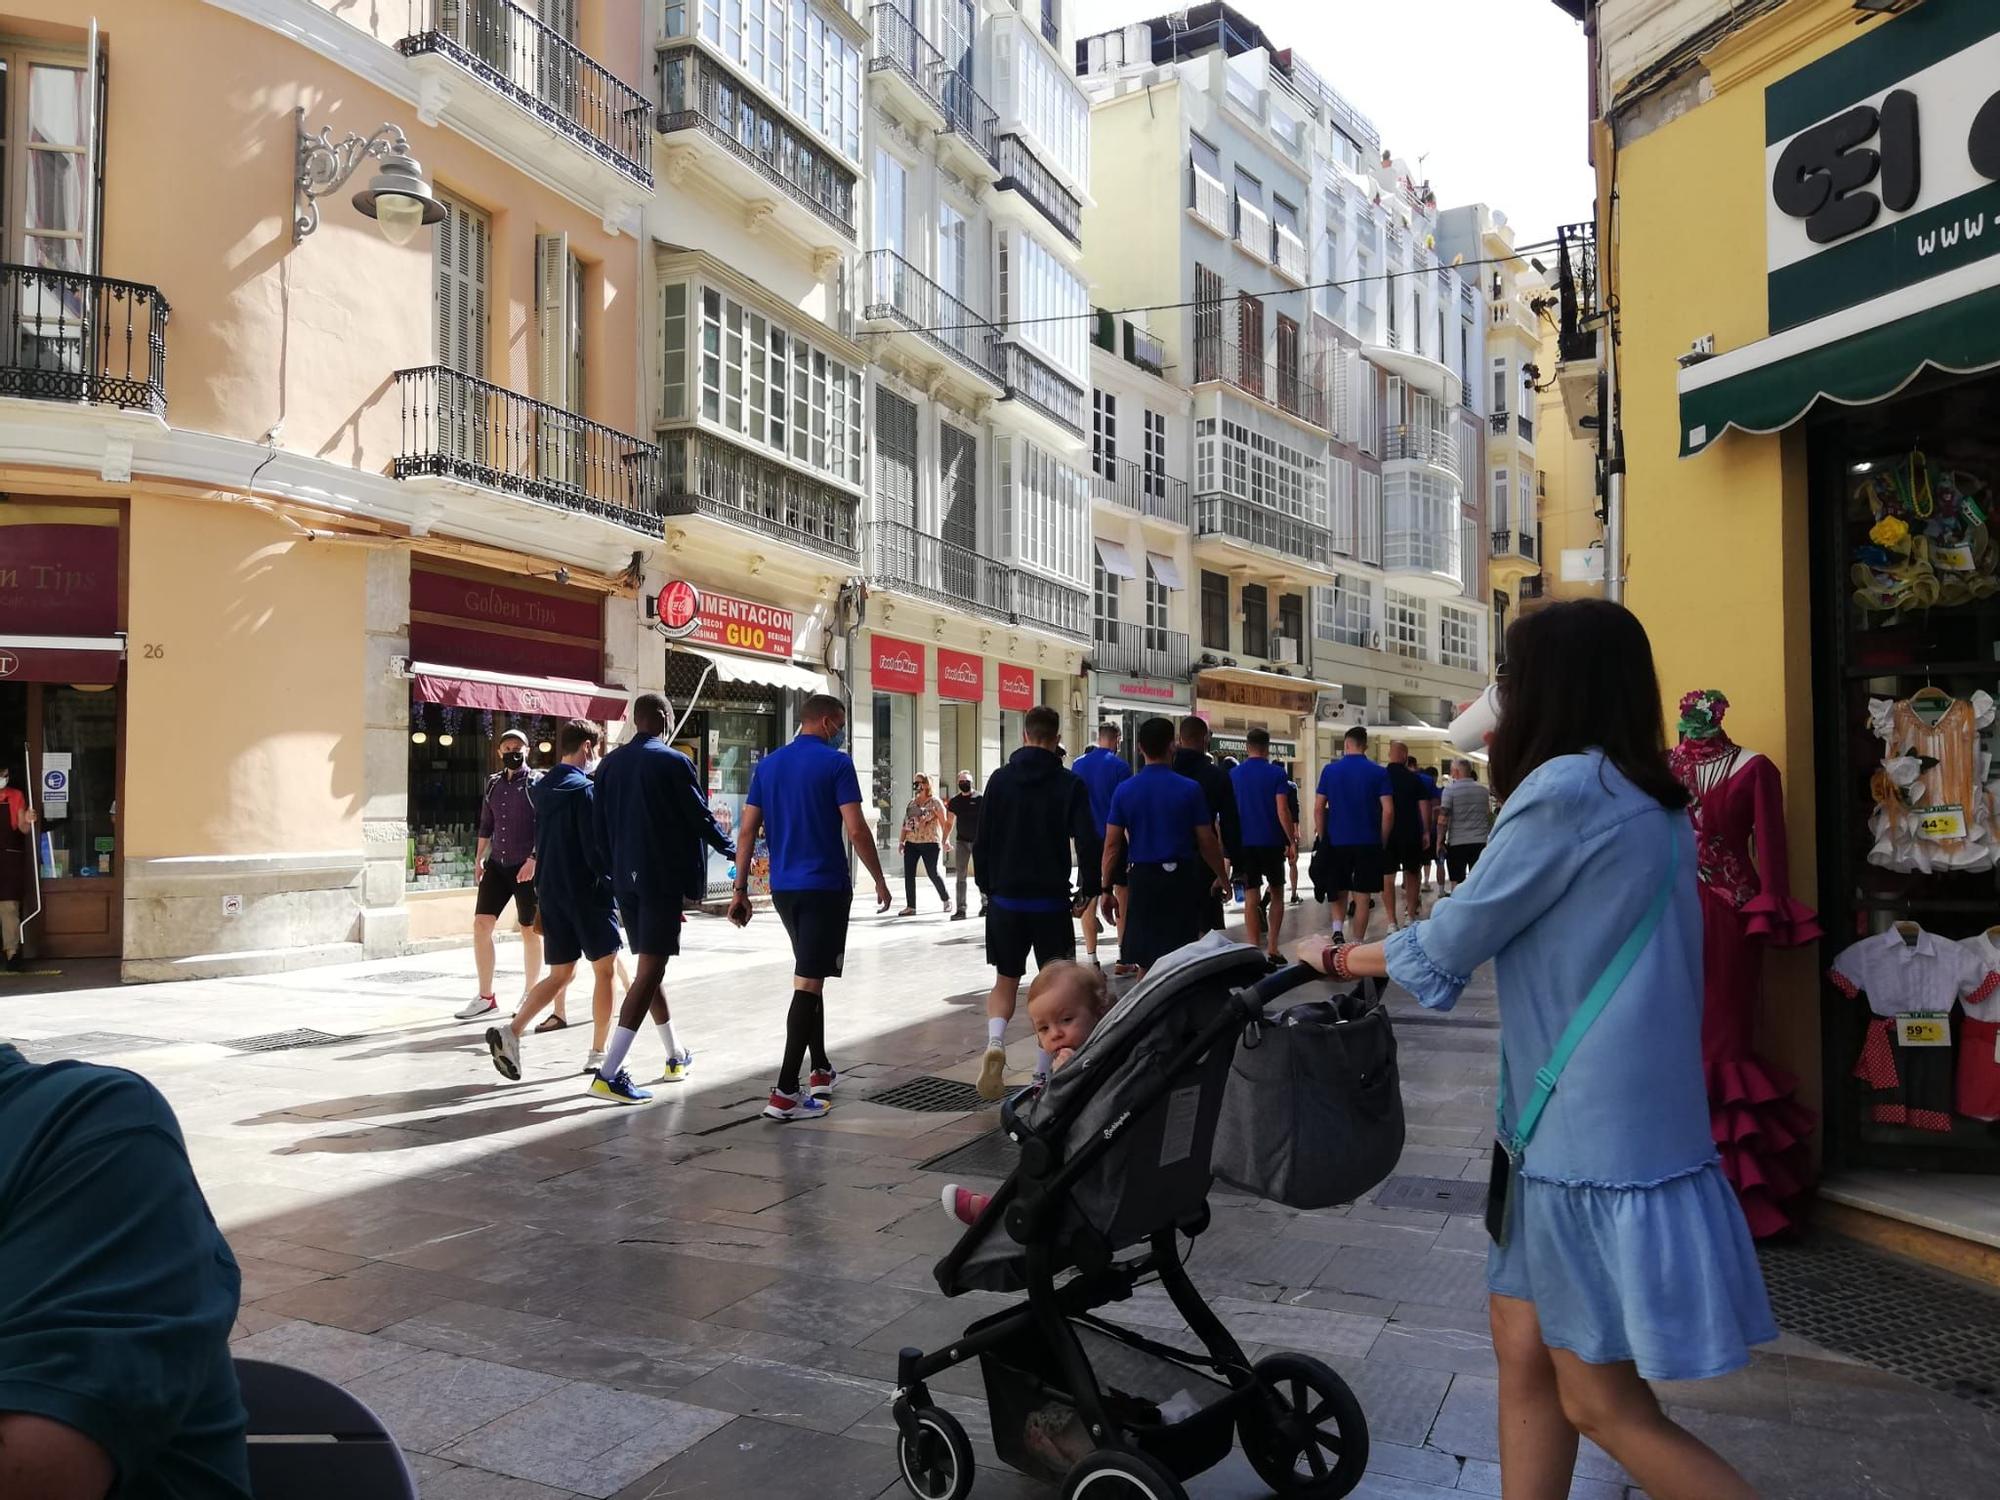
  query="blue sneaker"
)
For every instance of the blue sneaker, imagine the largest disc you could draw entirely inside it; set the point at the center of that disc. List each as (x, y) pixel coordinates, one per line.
(677, 1067)
(620, 1088)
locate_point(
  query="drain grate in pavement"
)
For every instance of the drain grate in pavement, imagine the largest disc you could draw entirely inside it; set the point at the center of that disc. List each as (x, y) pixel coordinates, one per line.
(988, 1156)
(1935, 1329)
(932, 1096)
(1438, 1195)
(287, 1041)
(86, 1045)
(1402, 1018)
(404, 976)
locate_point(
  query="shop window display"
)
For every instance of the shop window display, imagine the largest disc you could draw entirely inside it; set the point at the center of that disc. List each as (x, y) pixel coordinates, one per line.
(452, 752)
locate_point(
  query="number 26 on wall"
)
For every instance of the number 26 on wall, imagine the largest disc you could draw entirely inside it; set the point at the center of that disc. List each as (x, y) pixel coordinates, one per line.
(154, 651)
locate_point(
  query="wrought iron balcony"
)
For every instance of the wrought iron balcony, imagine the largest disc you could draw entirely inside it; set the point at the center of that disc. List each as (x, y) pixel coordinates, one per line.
(1138, 650)
(1209, 199)
(1147, 492)
(1021, 172)
(1508, 542)
(1032, 381)
(705, 476)
(1051, 24)
(1498, 421)
(896, 291)
(1037, 600)
(72, 337)
(460, 427)
(1530, 587)
(896, 45)
(1576, 289)
(903, 558)
(1431, 444)
(699, 94)
(969, 115)
(1284, 383)
(1259, 526)
(510, 50)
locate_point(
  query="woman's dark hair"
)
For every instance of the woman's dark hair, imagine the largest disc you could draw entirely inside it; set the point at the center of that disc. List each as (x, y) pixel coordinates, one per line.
(1579, 675)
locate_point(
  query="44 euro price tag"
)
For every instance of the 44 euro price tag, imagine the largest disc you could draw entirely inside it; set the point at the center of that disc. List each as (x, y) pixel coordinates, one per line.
(1946, 822)
(1924, 1028)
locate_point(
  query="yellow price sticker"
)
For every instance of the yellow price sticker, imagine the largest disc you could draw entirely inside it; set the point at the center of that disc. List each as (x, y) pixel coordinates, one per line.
(1930, 1028)
(1946, 822)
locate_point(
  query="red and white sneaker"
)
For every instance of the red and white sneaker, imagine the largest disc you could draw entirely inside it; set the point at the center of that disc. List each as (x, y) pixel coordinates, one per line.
(963, 1204)
(799, 1106)
(482, 1005)
(820, 1082)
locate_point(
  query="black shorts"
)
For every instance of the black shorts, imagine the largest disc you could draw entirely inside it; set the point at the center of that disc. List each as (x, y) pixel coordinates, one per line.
(1261, 865)
(1012, 935)
(816, 922)
(501, 884)
(652, 922)
(1407, 854)
(1353, 867)
(569, 933)
(1459, 860)
(1168, 909)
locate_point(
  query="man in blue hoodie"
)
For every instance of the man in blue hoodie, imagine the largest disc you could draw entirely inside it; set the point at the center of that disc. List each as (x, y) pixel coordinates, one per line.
(651, 820)
(571, 889)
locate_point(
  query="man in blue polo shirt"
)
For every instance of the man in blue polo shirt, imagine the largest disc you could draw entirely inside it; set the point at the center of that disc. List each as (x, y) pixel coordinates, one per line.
(1264, 810)
(1163, 830)
(803, 797)
(117, 1294)
(1354, 812)
(1103, 770)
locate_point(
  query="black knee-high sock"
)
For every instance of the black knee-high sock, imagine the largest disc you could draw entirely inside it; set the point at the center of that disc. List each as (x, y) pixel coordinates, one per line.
(798, 1036)
(817, 1038)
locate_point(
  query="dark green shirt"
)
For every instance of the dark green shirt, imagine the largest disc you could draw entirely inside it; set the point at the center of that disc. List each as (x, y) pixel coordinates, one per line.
(117, 1291)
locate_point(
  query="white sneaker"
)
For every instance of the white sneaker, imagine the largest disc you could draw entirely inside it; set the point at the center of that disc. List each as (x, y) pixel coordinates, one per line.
(483, 1005)
(592, 1061)
(993, 1072)
(506, 1050)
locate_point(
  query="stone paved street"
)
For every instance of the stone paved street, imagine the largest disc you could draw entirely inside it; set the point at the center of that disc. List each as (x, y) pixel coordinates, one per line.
(550, 1296)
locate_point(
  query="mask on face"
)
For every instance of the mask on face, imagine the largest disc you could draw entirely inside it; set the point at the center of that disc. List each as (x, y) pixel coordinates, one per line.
(3, 778)
(513, 760)
(837, 738)
(965, 786)
(590, 766)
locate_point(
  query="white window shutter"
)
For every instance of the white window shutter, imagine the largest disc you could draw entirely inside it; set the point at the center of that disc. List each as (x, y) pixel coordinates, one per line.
(552, 296)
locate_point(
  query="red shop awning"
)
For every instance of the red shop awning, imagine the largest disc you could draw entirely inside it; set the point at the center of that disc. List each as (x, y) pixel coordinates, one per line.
(558, 697)
(90, 659)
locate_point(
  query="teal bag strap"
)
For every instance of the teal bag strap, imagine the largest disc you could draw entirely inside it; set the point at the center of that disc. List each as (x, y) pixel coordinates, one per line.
(1586, 1014)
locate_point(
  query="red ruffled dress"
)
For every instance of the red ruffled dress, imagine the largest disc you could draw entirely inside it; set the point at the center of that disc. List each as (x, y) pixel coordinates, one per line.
(1761, 1130)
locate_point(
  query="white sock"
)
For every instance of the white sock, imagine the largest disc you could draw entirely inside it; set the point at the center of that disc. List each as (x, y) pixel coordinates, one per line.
(622, 1038)
(1041, 1063)
(996, 1031)
(666, 1030)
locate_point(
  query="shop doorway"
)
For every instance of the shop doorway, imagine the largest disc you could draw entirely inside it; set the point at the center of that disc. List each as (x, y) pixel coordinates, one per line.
(59, 743)
(726, 741)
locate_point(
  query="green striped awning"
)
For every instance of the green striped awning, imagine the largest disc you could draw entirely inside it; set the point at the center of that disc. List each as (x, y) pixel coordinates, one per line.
(1857, 356)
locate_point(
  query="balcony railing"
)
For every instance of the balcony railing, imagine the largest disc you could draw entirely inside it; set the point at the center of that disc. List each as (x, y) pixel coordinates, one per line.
(916, 562)
(1290, 256)
(1508, 542)
(1051, 24)
(1498, 421)
(1209, 199)
(510, 50)
(459, 427)
(1576, 289)
(1434, 445)
(969, 114)
(1148, 492)
(1138, 650)
(896, 43)
(698, 93)
(1285, 386)
(1029, 379)
(703, 476)
(72, 337)
(1530, 587)
(897, 291)
(1525, 426)
(1021, 172)
(1253, 229)
(1260, 526)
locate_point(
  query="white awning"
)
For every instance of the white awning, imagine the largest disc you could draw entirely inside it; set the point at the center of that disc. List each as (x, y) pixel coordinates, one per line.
(1165, 569)
(760, 671)
(1427, 375)
(1116, 559)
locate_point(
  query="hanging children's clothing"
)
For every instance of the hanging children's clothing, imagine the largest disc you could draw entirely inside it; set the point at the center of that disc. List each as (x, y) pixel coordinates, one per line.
(1931, 808)
(1902, 974)
(1979, 1036)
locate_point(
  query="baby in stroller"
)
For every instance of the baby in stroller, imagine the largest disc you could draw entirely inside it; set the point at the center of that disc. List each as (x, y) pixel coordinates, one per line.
(1115, 1165)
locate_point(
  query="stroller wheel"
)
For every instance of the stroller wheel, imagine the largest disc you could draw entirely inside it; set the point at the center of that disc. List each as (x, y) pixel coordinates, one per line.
(937, 1462)
(1310, 1440)
(1114, 1474)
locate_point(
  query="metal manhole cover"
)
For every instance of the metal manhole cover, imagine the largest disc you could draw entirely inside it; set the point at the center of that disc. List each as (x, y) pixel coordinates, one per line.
(1937, 1330)
(404, 976)
(86, 1045)
(286, 1041)
(988, 1156)
(933, 1096)
(1437, 1195)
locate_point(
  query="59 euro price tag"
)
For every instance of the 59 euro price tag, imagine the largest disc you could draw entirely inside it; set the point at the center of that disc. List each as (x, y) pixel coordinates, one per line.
(1941, 822)
(1924, 1028)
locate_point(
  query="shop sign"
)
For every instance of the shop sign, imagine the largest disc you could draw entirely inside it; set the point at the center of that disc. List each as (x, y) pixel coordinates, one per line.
(1258, 695)
(1220, 745)
(1017, 687)
(491, 624)
(1883, 162)
(1157, 692)
(678, 609)
(58, 578)
(55, 784)
(740, 625)
(961, 675)
(897, 666)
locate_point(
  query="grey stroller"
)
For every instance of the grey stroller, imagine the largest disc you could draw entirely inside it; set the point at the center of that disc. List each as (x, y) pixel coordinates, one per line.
(1116, 1158)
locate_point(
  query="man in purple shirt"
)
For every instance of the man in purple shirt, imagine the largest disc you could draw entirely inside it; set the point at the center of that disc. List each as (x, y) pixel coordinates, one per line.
(506, 865)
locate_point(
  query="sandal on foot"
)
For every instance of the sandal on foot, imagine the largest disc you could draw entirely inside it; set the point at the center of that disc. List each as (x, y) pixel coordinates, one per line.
(552, 1023)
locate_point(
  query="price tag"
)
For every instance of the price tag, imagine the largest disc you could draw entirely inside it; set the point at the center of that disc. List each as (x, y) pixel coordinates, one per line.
(1946, 822)
(1957, 557)
(1924, 1028)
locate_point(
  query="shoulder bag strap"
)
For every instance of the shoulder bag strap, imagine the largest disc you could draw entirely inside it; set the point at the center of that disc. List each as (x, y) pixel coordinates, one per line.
(1587, 1013)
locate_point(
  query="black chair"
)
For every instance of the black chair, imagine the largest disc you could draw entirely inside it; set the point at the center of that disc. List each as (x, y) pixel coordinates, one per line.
(310, 1440)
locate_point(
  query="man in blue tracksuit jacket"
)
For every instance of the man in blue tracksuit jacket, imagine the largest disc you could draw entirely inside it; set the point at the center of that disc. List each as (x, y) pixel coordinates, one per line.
(652, 821)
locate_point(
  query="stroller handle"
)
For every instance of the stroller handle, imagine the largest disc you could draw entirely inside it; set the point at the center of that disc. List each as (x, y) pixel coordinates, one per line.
(1281, 982)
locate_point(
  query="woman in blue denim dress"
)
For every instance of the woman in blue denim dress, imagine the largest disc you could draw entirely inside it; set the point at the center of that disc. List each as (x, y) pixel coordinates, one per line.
(1628, 1259)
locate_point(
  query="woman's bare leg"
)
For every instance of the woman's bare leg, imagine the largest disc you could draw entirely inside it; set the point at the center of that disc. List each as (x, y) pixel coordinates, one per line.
(1537, 1441)
(1615, 1409)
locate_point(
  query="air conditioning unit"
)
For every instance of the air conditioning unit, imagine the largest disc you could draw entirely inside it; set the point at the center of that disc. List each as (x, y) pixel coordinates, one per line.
(1285, 648)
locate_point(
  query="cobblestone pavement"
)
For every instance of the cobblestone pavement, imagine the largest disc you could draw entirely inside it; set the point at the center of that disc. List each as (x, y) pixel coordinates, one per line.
(550, 1296)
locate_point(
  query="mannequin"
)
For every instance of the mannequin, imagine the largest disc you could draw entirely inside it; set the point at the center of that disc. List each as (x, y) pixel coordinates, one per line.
(1761, 1130)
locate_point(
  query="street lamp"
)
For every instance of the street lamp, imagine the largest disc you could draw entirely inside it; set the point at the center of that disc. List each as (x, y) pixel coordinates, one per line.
(398, 198)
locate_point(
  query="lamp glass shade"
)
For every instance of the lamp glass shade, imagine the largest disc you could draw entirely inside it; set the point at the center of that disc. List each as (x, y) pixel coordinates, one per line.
(400, 217)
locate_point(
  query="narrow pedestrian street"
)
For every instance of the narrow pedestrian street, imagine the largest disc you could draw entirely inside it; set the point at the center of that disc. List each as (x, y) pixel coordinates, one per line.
(549, 1296)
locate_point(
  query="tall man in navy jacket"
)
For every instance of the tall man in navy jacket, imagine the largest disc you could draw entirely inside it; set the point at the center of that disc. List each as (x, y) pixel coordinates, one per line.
(652, 821)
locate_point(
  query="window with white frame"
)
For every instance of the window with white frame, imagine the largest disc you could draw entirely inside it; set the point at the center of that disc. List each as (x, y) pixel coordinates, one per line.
(1499, 385)
(1154, 467)
(1107, 602)
(1044, 511)
(1045, 304)
(892, 188)
(1423, 524)
(1103, 434)
(1345, 613)
(1368, 522)
(1499, 511)
(1343, 520)
(1403, 624)
(1252, 465)
(792, 52)
(1458, 637)
(1156, 610)
(1524, 487)
(952, 265)
(762, 383)
(1055, 113)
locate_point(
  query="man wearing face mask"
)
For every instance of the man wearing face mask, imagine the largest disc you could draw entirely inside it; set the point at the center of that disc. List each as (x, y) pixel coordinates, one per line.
(964, 822)
(506, 865)
(17, 829)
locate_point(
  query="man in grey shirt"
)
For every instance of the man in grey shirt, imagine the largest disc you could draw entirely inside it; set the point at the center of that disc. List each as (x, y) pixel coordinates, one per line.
(1466, 809)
